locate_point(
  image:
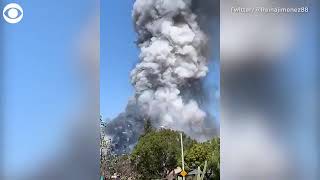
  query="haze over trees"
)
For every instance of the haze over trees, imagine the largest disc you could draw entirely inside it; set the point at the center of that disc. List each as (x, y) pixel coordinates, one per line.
(158, 152)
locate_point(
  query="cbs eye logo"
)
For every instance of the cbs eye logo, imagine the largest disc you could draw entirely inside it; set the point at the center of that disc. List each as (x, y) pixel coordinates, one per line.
(13, 13)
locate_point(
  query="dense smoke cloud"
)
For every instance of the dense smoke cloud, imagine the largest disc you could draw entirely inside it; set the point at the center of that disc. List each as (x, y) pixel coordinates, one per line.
(168, 78)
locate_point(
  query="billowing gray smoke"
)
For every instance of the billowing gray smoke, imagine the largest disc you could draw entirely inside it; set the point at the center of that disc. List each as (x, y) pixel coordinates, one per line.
(168, 78)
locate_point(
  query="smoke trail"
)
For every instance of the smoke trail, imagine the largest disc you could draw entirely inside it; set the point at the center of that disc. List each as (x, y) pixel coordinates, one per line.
(168, 77)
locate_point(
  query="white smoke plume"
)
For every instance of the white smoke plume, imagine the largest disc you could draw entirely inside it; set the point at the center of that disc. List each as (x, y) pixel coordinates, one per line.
(172, 54)
(173, 62)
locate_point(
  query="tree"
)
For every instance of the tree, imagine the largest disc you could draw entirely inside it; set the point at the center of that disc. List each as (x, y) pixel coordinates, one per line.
(208, 151)
(108, 160)
(197, 155)
(121, 165)
(158, 152)
(214, 160)
(148, 128)
(105, 151)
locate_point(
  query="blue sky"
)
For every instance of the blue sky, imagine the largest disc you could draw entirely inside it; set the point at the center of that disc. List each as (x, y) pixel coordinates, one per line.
(119, 54)
(40, 82)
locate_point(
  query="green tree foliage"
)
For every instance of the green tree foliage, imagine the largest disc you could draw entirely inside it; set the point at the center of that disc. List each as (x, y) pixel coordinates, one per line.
(214, 162)
(158, 152)
(197, 155)
(148, 128)
(208, 151)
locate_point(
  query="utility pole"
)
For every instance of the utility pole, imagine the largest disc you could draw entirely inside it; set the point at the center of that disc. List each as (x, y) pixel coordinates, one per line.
(182, 156)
